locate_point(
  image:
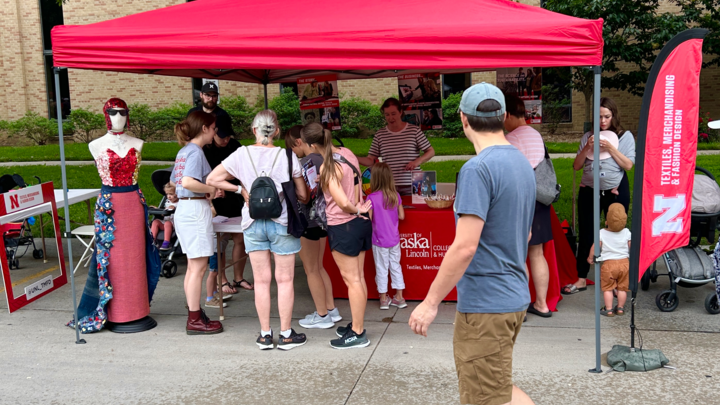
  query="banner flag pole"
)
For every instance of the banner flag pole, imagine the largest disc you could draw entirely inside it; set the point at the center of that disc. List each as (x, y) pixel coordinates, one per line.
(665, 156)
(597, 71)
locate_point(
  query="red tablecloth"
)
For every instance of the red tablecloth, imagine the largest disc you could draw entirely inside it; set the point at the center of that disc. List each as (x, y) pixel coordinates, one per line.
(425, 236)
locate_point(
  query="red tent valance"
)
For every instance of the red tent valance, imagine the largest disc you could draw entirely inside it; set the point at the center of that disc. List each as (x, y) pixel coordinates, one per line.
(278, 41)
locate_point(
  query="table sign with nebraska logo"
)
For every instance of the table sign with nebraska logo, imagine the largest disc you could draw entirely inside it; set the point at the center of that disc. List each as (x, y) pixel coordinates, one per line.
(425, 236)
(15, 202)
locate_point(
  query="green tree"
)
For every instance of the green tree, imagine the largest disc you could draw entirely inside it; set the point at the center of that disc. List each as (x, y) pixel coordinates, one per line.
(287, 107)
(168, 116)
(704, 14)
(143, 121)
(359, 118)
(241, 113)
(86, 124)
(39, 130)
(633, 32)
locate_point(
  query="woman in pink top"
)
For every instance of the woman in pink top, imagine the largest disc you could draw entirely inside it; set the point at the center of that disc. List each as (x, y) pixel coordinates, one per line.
(349, 233)
(530, 143)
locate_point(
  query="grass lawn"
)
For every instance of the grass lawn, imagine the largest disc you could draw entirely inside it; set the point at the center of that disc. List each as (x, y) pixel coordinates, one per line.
(166, 151)
(87, 177)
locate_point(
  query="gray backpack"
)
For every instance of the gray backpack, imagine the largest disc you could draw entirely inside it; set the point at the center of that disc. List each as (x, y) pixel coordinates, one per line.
(548, 189)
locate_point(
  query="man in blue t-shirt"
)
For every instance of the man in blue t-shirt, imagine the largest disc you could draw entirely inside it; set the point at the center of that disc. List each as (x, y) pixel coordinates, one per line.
(494, 208)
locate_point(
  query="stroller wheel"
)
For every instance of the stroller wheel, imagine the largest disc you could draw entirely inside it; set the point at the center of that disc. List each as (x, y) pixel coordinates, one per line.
(10, 264)
(653, 275)
(667, 301)
(169, 269)
(37, 254)
(712, 305)
(645, 281)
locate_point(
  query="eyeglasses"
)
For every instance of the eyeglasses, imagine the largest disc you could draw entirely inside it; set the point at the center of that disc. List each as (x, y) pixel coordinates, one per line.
(112, 113)
(210, 95)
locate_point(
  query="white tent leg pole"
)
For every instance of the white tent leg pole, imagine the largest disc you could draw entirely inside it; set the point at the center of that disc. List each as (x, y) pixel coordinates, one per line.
(67, 234)
(597, 70)
(266, 100)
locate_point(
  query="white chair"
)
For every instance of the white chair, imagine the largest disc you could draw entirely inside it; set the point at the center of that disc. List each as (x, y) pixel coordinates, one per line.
(86, 231)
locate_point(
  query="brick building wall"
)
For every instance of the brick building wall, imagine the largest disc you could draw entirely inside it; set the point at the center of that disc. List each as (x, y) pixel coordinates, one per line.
(22, 75)
(22, 78)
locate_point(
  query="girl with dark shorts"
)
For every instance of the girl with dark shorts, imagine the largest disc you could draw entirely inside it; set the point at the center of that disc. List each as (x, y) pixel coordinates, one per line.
(349, 233)
(314, 239)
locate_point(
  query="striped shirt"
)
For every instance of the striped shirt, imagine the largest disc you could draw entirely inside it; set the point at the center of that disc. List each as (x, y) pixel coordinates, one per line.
(398, 149)
(529, 142)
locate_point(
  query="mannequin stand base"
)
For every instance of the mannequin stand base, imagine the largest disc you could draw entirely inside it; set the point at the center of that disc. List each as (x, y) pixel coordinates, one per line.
(140, 325)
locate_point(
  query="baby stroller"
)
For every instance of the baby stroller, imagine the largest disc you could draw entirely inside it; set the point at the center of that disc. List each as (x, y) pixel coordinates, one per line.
(159, 179)
(17, 234)
(690, 266)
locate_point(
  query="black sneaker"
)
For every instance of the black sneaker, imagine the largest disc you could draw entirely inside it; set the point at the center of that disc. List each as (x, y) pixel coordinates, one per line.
(351, 340)
(265, 342)
(291, 342)
(340, 332)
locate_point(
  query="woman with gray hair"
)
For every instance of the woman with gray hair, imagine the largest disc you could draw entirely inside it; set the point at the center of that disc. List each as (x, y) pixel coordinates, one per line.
(265, 236)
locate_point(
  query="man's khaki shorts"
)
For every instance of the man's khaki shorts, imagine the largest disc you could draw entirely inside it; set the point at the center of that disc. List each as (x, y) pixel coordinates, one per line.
(483, 346)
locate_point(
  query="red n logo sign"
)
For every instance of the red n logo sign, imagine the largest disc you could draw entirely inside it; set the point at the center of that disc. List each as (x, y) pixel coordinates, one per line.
(14, 203)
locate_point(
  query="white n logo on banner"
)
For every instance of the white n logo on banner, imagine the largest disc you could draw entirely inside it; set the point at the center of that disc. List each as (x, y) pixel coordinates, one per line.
(668, 221)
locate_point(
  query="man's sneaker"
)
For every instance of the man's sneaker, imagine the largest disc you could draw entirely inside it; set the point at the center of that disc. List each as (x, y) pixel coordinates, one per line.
(335, 315)
(165, 245)
(351, 340)
(340, 331)
(215, 303)
(316, 321)
(292, 341)
(398, 303)
(265, 342)
(385, 303)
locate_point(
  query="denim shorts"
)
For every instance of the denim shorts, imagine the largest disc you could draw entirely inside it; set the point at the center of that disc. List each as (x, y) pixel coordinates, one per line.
(266, 234)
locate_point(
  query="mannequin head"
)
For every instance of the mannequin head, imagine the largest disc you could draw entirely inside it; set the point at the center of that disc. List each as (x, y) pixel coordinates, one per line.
(117, 116)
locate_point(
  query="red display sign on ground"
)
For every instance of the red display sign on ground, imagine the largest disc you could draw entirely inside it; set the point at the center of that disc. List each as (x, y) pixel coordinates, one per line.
(13, 202)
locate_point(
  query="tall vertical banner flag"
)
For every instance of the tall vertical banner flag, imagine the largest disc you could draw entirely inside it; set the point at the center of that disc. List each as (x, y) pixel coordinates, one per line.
(666, 151)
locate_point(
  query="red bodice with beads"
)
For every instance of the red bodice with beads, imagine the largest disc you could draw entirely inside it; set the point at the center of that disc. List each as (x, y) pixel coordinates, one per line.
(116, 171)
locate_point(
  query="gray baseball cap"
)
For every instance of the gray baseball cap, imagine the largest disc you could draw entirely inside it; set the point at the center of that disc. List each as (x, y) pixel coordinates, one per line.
(478, 93)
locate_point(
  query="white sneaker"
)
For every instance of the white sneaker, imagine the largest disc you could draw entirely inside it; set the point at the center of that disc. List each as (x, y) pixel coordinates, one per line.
(335, 315)
(317, 322)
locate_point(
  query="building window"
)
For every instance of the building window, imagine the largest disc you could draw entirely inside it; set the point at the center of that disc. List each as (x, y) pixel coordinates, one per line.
(196, 88)
(455, 83)
(51, 14)
(557, 94)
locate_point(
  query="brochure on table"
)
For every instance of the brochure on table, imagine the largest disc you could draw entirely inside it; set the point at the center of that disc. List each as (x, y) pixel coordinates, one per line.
(424, 184)
(421, 99)
(319, 101)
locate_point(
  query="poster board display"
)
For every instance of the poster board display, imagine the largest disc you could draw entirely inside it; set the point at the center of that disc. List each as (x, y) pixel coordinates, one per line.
(319, 101)
(424, 184)
(421, 99)
(30, 283)
(526, 83)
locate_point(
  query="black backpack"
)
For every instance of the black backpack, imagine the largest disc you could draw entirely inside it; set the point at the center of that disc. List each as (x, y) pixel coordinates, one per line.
(264, 199)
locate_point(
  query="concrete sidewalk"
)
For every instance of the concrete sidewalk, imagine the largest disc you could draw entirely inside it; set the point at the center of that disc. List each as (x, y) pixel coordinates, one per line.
(42, 364)
(168, 163)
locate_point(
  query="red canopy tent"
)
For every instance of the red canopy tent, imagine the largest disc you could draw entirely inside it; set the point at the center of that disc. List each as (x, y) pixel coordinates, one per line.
(279, 41)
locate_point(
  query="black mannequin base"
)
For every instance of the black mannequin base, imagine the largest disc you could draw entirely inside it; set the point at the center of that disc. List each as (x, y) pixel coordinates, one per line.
(141, 325)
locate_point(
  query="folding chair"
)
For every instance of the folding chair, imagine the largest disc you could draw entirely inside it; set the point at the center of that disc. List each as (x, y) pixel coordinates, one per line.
(87, 231)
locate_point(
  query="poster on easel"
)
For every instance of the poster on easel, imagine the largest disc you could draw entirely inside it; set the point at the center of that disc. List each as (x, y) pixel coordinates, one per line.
(26, 278)
(319, 101)
(421, 99)
(526, 83)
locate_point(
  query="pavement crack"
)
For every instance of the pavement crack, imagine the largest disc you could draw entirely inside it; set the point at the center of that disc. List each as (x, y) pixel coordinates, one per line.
(387, 325)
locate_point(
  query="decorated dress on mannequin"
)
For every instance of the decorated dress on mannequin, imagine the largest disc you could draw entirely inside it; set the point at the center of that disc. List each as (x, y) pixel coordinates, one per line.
(125, 268)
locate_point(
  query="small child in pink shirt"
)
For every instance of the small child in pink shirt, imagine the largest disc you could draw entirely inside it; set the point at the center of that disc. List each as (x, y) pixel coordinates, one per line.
(386, 212)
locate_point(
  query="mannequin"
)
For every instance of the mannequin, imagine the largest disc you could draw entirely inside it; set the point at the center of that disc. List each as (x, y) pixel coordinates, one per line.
(125, 268)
